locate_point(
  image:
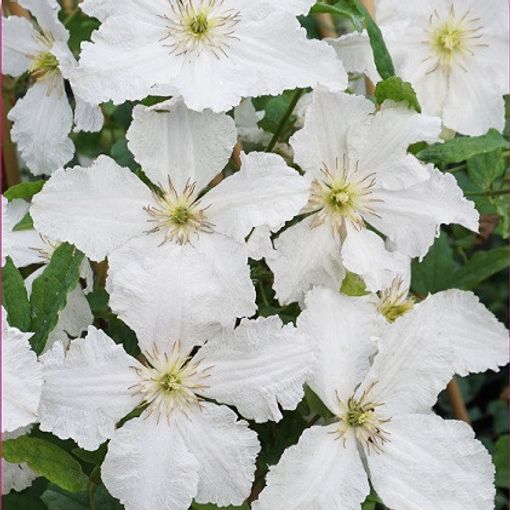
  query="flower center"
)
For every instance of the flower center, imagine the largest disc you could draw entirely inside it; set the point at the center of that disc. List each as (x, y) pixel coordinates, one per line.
(361, 418)
(452, 37)
(42, 64)
(170, 381)
(341, 196)
(195, 26)
(394, 301)
(178, 216)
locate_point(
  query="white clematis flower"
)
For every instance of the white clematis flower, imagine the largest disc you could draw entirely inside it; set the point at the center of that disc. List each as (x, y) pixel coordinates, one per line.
(383, 428)
(455, 54)
(27, 247)
(16, 477)
(43, 118)
(182, 445)
(360, 174)
(106, 210)
(247, 119)
(211, 52)
(21, 379)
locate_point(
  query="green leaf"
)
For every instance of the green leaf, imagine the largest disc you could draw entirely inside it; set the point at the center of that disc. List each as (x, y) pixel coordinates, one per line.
(49, 292)
(16, 501)
(26, 223)
(122, 155)
(382, 58)
(24, 190)
(16, 301)
(431, 274)
(500, 458)
(462, 148)
(397, 90)
(343, 9)
(353, 285)
(56, 499)
(48, 460)
(482, 265)
(209, 506)
(484, 169)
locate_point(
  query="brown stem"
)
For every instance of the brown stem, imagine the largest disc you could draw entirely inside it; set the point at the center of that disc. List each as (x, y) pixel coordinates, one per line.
(326, 25)
(236, 155)
(15, 9)
(459, 408)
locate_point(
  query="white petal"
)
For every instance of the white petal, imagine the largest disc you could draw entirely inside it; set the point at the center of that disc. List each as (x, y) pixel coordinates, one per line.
(102, 9)
(177, 293)
(21, 379)
(258, 367)
(87, 117)
(47, 17)
(97, 208)
(305, 256)
(411, 367)
(320, 472)
(42, 121)
(479, 341)
(247, 119)
(297, 7)
(265, 192)
(259, 244)
(364, 253)
(19, 43)
(432, 464)
(16, 477)
(225, 449)
(323, 139)
(148, 466)
(411, 217)
(86, 390)
(169, 140)
(381, 147)
(73, 320)
(341, 328)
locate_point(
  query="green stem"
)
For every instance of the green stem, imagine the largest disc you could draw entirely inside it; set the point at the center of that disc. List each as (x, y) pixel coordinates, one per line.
(285, 119)
(489, 193)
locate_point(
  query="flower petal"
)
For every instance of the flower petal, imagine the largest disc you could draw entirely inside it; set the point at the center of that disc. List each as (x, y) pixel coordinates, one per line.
(411, 217)
(148, 466)
(341, 329)
(21, 379)
(19, 44)
(86, 390)
(479, 341)
(97, 208)
(47, 17)
(176, 294)
(436, 464)
(87, 117)
(305, 256)
(364, 253)
(225, 449)
(169, 140)
(258, 367)
(323, 139)
(321, 472)
(42, 121)
(265, 192)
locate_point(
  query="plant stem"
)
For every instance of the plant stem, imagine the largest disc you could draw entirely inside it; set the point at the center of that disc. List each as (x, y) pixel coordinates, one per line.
(70, 17)
(459, 409)
(285, 119)
(488, 193)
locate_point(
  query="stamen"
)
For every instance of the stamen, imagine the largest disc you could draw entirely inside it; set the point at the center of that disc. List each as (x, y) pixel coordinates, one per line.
(394, 301)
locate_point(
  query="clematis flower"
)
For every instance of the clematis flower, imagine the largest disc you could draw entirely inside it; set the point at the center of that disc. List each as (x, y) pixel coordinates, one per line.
(383, 429)
(361, 176)
(27, 247)
(177, 221)
(185, 443)
(454, 53)
(21, 378)
(43, 118)
(16, 477)
(211, 52)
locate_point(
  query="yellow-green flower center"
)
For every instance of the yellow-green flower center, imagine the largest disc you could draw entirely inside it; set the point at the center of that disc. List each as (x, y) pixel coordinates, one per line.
(358, 415)
(170, 382)
(199, 24)
(42, 64)
(448, 39)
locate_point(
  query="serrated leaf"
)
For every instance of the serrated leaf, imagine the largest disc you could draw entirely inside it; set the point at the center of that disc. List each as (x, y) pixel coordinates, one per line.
(49, 292)
(24, 190)
(500, 458)
(382, 57)
(462, 148)
(484, 169)
(482, 265)
(15, 300)
(48, 460)
(397, 90)
(353, 285)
